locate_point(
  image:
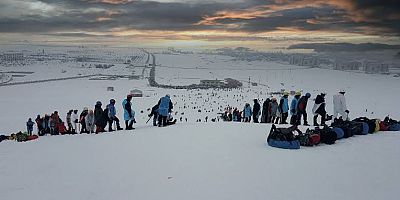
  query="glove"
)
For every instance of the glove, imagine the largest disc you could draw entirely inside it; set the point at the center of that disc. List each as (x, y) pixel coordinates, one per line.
(149, 115)
(347, 111)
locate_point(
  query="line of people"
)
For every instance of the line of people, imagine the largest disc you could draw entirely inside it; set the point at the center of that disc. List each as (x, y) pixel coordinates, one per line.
(278, 113)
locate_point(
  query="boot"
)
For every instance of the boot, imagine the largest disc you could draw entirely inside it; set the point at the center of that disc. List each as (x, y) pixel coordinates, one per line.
(315, 120)
(126, 125)
(131, 125)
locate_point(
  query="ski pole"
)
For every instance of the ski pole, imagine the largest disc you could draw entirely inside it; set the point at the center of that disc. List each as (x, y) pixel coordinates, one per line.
(148, 119)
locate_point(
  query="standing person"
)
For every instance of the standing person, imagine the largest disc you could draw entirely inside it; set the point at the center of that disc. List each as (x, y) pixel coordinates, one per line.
(112, 116)
(284, 107)
(273, 105)
(74, 119)
(265, 109)
(302, 109)
(339, 106)
(46, 124)
(82, 120)
(98, 117)
(69, 121)
(154, 114)
(256, 111)
(39, 124)
(247, 112)
(29, 126)
(129, 114)
(165, 106)
(319, 109)
(89, 120)
(56, 122)
(293, 108)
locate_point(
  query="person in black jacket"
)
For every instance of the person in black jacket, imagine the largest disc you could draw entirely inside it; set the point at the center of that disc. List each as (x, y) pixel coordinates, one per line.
(99, 120)
(256, 111)
(265, 117)
(302, 109)
(319, 109)
(154, 113)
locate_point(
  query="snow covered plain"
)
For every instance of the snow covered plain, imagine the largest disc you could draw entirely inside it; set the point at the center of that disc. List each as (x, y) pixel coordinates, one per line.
(198, 160)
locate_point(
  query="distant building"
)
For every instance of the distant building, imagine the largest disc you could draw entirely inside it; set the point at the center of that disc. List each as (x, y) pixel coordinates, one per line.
(353, 65)
(136, 93)
(13, 56)
(376, 68)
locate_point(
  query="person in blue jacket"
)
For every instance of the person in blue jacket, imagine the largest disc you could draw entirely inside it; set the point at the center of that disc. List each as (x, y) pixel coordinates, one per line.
(247, 112)
(112, 116)
(29, 126)
(165, 106)
(284, 107)
(293, 108)
(129, 114)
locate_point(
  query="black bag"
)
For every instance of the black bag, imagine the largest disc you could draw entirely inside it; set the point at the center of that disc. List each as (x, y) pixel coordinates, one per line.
(371, 123)
(309, 138)
(356, 128)
(344, 125)
(328, 136)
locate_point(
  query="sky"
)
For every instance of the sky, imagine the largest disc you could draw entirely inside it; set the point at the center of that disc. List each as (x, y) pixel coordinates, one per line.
(259, 24)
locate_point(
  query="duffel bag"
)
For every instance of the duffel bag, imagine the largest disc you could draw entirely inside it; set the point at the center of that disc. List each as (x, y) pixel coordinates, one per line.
(339, 132)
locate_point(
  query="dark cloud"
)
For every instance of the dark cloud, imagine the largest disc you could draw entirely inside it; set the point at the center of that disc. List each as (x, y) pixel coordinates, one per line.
(358, 16)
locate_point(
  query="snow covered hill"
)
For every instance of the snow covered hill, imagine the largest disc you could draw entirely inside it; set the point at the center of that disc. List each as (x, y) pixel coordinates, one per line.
(198, 161)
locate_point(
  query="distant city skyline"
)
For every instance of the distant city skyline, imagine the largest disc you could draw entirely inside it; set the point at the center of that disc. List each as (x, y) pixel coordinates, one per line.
(259, 24)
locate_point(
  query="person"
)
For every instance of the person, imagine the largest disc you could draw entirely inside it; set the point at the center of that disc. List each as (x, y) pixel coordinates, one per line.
(273, 108)
(89, 120)
(339, 106)
(319, 109)
(46, 124)
(284, 107)
(302, 109)
(247, 112)
(29, 126)
(82, 120)
(154, 114)
(129, 114)
(98, 117)
(265, 109)
(165, 106)
(39, 124)
(112, 116)
(293, 108)
(69, 121)
(74, 119)
(256, 111)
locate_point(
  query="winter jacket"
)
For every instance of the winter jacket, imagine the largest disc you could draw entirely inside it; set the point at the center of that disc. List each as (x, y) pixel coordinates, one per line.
(247, 111)
(293, 105)
(284, 105)
(29, 125)
(164, 106)
(74, 118)
(302, 104)
(68, 118)
(339, 103)
(82, 116)
(256, 109)
(319, 105)
(98, 115)
(89, 120)
(273, 108)
(154, 111)
(129, 114)
(111, 111)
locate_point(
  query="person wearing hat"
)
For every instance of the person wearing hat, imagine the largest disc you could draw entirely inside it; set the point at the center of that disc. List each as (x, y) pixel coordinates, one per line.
(293, 108)
(129, 114)
(284, 107)
(319, 109)
(99, 118)
(82, 120)
(165, 106)
(302, 109)
(256, 111)
(112, 115)
(339, 105)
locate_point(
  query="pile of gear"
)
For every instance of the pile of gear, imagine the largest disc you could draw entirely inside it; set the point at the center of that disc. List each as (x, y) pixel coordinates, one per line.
(293, 138)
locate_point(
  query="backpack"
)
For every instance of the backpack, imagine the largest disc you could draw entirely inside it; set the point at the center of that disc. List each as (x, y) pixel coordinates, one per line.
(394, 127)
(357, 128)
(339, 132)
(309, 138)
(383, 126)
(345, 126)
(327, 135)
(21, 137)
(371, 123)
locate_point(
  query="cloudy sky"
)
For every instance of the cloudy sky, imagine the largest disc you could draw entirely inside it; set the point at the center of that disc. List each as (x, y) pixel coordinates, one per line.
(254, 23)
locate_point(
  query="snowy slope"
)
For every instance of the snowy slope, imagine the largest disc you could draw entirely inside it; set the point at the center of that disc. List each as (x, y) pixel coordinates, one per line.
(194, 161)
